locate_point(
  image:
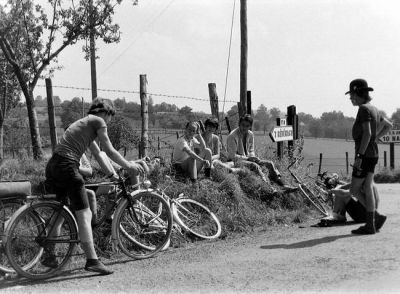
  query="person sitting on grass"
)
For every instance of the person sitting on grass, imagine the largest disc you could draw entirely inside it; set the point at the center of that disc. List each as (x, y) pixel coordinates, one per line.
(240, 148)
(185, 161)
(62, 173)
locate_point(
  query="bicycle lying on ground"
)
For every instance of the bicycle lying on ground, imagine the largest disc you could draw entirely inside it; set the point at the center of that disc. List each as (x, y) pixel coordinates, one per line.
(318, 198)
(141, 226)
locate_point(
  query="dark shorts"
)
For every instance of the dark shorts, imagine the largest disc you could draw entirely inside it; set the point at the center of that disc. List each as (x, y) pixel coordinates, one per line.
(367, 166)
(356, 211)
(62, 175)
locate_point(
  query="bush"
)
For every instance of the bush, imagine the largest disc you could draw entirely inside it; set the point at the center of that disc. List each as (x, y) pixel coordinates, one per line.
(387, 176)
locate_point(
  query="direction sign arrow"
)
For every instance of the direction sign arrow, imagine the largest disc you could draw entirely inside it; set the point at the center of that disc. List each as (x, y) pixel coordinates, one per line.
(392, 137)
(279, 134)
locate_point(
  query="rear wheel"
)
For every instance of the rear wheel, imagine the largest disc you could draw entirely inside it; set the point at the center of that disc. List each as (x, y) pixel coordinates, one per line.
(144, 228)
(196, 218)
(7, 209)
(316, 198)
(31, 251)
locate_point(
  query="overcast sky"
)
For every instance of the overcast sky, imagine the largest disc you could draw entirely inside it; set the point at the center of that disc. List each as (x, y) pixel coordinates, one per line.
(300, 52)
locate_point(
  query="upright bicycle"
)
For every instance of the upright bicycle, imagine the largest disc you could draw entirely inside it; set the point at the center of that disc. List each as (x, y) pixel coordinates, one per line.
(141, 227)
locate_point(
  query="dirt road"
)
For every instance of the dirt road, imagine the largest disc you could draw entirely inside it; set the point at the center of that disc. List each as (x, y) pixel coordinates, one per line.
(279, 259)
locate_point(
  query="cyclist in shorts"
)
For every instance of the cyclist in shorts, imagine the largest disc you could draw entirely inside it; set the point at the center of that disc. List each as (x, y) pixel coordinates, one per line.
(62, 172)
(366, 149)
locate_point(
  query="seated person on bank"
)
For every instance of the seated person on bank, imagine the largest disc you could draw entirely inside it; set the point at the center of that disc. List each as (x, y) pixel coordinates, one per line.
(185, 160)
(240, 147)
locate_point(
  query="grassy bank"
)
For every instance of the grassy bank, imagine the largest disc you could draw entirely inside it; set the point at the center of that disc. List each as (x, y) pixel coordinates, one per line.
(241, 201)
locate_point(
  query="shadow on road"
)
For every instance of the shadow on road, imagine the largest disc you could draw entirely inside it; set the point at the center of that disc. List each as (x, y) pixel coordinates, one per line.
(75, 274)
(307, 243)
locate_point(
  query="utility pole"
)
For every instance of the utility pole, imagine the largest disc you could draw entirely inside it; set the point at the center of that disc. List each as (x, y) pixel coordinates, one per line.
(243, 55)
(92, 48)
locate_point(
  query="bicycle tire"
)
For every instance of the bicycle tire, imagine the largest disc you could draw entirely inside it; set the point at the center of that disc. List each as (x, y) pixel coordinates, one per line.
(7, 209)
(196, 218)
(314, 200)
(143, 230)
(26, 253)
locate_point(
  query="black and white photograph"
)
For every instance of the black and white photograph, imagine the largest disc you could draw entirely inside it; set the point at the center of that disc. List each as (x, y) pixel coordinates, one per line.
(213, 146)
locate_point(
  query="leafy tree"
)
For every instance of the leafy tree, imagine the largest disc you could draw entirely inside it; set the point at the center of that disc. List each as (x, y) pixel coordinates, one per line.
(262, 118)
(72, 111)
(233, 116)
(32, 39)
(396, 118)
(9, 96)
(121, 134)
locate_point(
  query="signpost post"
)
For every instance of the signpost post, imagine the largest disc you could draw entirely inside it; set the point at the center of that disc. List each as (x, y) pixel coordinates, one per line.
(392, 137)
(281, 133)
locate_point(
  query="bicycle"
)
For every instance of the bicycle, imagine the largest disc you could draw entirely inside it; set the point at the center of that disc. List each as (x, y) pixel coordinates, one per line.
(312, 192)
(10, 200)
(140, 221)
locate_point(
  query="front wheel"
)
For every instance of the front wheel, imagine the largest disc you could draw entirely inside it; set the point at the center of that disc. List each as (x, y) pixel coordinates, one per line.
(196, 218)
(29, 248)
(142, 225)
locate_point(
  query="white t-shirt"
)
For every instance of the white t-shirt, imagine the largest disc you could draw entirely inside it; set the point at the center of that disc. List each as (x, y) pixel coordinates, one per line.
(179, 155)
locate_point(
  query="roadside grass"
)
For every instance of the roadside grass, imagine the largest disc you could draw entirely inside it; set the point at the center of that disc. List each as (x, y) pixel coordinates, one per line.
(387, 176)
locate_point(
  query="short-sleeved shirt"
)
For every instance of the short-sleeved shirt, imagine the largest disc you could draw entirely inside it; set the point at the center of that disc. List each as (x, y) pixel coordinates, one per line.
(179, 155)
(366, 113)
(213, 143)
(79, 136)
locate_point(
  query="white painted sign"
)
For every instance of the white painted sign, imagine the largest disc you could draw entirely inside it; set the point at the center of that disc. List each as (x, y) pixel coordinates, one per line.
(392, 137)
(280, 133)
(283, 122)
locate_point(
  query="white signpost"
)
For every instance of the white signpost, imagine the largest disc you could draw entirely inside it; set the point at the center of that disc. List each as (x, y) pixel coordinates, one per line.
(281, 133)
(392, 137)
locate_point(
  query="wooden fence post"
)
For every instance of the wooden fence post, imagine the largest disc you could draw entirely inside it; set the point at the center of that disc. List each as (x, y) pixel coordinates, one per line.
(391, 155)
(145, 116)
(240, 109)
(279, 145)
(347, 162)
(228, 125)
(51, 112)
(248, 102)
(83, 108)
(212, 92)
(177, 135)
(291, 121)
(385, 159)
(320, 163)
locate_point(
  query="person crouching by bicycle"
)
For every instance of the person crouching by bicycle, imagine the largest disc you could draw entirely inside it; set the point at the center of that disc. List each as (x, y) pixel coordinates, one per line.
(240, 147)
(185, 161)
(62, 172)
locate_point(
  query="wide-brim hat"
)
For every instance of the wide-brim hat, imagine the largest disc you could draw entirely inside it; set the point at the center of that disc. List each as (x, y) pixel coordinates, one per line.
(358, 85)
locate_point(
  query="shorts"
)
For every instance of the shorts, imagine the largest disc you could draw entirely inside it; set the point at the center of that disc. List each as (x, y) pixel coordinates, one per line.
(62, 174)
(367, 166)
(356, 211)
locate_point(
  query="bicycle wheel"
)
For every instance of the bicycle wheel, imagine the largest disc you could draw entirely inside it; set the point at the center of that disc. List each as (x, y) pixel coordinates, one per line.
(7, 209)
(196, 218)
(315, 199)
(143, 229)
(30, 251)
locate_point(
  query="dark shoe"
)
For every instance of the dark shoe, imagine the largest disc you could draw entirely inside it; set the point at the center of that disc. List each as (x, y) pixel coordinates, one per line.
(364, 230)
(98, 267)
(49, 261)
(379, 221)
(289, 189)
